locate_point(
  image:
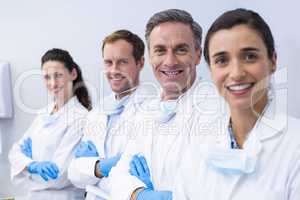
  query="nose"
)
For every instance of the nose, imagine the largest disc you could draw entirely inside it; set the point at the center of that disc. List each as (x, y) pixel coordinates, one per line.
(170, 59)
(113, 69)
(237, 71)
(52, 83)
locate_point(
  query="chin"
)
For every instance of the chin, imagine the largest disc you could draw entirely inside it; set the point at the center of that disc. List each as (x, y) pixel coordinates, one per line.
(240, 104)
(117, 89)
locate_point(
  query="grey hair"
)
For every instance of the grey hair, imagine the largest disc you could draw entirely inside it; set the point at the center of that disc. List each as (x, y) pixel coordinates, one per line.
(174, 15)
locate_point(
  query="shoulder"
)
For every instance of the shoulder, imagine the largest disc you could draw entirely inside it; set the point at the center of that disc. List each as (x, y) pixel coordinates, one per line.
(292, 129)
(96, 113)
(73, 111)
(78, 109)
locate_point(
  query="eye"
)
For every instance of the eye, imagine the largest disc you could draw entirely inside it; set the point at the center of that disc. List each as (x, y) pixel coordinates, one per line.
(58, 75)
(159, 51)
(107, 63)
(123, 62)
(221, 61)
(46, 77)
(181, 50)
(250, 57)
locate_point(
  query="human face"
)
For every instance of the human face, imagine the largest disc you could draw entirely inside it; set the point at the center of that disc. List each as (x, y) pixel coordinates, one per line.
(173, 56)
(58, 80)
(122, 70)
(240, 67)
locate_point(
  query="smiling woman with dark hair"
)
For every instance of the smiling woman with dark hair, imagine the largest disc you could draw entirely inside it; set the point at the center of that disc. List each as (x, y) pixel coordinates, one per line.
(39, 160)
(259, 157)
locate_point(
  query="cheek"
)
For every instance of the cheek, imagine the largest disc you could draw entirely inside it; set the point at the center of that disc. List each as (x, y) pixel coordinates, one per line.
(126, 70)
(218, 79)
(67, 82)
(47, 84)
(260, 73)
(155, 69)
(189, 59)
(130, 73)
(156, 61)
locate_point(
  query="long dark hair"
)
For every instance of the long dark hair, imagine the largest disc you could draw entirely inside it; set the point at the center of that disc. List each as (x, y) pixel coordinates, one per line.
(79, 87)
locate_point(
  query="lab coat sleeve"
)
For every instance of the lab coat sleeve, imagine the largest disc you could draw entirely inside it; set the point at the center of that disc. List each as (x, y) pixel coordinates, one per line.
(18, 160)
(294, 188)
(121, 183)
(184, 175)
(62, 157)
(64, 154)
(178, 191)
(81, 171)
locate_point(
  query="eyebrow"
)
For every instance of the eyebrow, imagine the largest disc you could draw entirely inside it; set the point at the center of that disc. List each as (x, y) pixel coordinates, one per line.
(219, 54)
(177, 46)
(119, 59)
(158, 46)
(244, 50)
(250, 49)
(181, 45)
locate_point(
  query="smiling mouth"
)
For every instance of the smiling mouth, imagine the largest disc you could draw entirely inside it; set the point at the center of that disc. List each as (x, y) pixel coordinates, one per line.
(57, 90)
(117, 77)
(240, 88)
(171, 73)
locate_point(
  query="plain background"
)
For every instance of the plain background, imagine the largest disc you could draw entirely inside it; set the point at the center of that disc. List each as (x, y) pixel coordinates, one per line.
(28, 28)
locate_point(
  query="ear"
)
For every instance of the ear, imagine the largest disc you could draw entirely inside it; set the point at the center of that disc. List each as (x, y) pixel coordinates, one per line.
(198, 55)
(273, 62)
(141, 62)
(74, 74)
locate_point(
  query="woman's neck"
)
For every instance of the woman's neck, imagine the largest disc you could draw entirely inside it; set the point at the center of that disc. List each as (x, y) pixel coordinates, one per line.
(60, 102)
(243, 120)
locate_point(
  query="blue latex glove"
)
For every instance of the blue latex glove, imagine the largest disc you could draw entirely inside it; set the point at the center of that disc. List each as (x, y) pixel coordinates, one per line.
(148, 194)
(26, 147)
(86, 149)
(105, 165)
(140, 169)
(46, 169)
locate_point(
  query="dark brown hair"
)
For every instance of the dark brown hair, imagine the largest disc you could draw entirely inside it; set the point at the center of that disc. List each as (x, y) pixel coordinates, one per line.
(241, 16)
(79, 87)
(133, 39)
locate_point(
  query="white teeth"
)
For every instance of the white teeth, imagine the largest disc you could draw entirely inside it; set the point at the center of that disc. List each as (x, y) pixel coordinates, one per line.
(116, 79)
(240, 87)
(171, 73)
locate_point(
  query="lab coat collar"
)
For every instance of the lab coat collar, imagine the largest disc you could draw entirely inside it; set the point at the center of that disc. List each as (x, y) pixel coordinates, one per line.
(139, 95)
(71, 110)
(272, 122)
(136, 97)
(184, 101)
(67, 107)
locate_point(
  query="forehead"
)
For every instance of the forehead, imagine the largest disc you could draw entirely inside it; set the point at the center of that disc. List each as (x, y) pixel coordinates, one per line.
(171, 34)
(235, 38)
(118, 48)
(53, 66)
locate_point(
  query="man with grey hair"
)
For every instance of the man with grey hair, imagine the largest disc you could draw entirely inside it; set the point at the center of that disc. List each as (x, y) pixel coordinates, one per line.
(174, 45)
(163, 125)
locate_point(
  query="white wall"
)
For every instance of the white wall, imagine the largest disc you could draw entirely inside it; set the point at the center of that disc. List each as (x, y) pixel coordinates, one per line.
(30, 27)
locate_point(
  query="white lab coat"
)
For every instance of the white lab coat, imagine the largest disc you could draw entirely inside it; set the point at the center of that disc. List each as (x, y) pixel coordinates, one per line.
(81, 170)
(161, 143)
(52, 140)
(275, 144)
